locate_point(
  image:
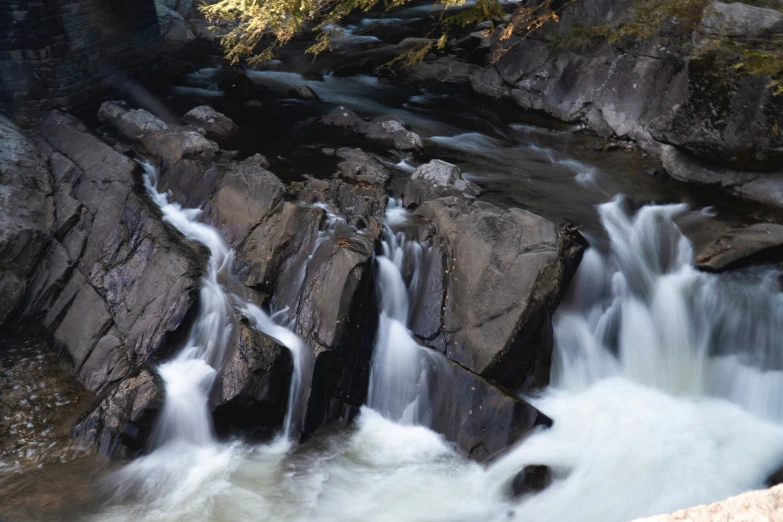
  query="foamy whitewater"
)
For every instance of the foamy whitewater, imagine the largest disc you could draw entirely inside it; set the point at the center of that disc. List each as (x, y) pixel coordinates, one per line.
(666, 387)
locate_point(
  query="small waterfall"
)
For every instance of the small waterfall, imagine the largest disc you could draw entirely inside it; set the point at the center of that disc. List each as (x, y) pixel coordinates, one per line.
(405, 375)
(189, 376)
(667, 389)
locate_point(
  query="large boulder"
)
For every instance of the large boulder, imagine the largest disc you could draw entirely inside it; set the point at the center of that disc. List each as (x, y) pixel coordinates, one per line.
(27, 213)
(505, 272)
(117, 288)
(359, 167)
(121, 421)
(213, 122)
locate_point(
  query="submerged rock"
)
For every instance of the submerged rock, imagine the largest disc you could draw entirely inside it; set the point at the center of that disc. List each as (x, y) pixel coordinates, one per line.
(213, 122)
(530, 480)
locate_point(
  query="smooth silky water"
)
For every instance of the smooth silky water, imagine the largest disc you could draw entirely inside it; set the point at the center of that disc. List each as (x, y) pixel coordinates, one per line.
(666, 393)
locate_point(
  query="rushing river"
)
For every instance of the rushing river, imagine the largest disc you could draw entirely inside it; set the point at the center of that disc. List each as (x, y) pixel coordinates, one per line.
(666, 388)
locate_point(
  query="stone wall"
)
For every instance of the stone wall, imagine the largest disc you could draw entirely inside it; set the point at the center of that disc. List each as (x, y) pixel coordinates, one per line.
(59, 53)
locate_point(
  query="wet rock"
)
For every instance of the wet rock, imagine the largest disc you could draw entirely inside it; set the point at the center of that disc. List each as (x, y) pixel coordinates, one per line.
(251, 389)
(246, 194)
(387, 129)
(505, 271)
(303, 92)
(132, 124)
(741, 20)
(740, 246)
(482, 418)
(213, 122)
(530, 480)
(121, 421)
(337, 315)
(434, 180)
(360, 167)
(27, 213)
(362, 205)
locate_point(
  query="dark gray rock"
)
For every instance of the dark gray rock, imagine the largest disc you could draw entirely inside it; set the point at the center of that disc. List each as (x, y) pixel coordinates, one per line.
(530, 480)
(251, 389)
(434, 180)
(279, 243)
(362, 205)
(246, 195)
(121, 421)
(764, 187)
(27, 213)
(505, 272)
(483, 419)
(738, 246)
(213, 122)
(740, 20)
(117, 290)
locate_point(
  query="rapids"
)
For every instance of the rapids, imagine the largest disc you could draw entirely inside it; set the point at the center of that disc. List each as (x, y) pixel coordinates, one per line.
(650, 398)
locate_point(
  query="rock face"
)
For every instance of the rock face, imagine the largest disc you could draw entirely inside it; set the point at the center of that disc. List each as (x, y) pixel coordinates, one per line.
(215, 123)
(116, 286)
(755, 506)
(27, 213)
(741, 20)
(437, 179)
(388, 129)
(504, 272)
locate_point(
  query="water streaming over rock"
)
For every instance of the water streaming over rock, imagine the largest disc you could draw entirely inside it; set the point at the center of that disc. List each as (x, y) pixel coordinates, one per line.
(189, 376)
(406, 377)
(663, 396)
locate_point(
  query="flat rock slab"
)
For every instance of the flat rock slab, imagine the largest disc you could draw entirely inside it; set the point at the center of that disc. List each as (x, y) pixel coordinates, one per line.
(738, 245)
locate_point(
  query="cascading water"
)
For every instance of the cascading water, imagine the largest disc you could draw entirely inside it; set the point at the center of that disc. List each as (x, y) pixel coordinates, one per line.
(651, 404)
(666, 389)
(404, 374)
(189, 376)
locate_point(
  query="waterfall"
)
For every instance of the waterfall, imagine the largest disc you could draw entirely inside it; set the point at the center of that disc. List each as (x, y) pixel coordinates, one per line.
(404, 375)
(189, 376)
(666, 387)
